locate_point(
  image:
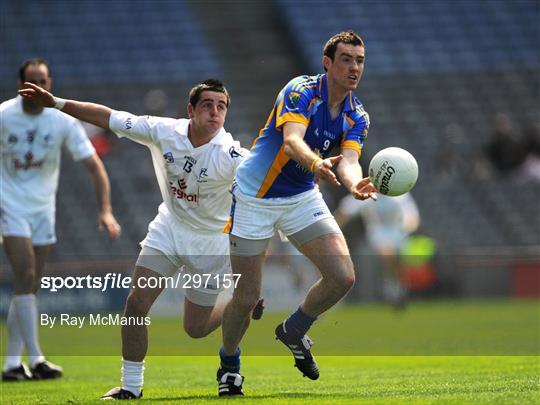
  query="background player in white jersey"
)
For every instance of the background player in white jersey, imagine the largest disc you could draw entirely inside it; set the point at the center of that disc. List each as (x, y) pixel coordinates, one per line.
(31, 140)
(195, 161)
(388, 222)
(275, 190)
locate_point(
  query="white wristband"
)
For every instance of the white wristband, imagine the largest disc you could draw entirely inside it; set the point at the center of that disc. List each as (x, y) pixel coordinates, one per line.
(59, 103)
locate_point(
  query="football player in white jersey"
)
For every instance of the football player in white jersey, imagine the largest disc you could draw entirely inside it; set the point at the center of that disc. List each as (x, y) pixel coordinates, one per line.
(31, 140)
(389, 223)
(195, 162)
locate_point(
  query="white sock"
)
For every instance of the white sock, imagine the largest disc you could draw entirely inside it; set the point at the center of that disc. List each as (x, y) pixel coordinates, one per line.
(26, 311)
(15, 340)
(133, 376)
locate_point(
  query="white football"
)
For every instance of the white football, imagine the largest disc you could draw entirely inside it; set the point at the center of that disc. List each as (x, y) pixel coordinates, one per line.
(393, 171)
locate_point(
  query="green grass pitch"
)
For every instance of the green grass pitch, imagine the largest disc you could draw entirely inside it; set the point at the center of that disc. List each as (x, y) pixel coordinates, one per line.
(441, 352)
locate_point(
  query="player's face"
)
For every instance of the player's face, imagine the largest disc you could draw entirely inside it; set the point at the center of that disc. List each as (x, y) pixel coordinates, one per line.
(39, 75)
(348, 65)
(210, 111)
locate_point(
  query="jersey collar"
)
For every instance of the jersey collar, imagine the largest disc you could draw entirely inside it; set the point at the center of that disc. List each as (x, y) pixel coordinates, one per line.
(221, 138)
(322, 90)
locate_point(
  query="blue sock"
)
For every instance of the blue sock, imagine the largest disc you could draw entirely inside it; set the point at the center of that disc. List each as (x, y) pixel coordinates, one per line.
(230, 363)
(299, 323)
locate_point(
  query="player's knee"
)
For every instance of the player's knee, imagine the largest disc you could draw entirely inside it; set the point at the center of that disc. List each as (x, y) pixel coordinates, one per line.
(343, 280)
(28, 279)
(195, 330)
(137, 303)
(25, 281)
(348, 281)
(36, 283)
(348, 276)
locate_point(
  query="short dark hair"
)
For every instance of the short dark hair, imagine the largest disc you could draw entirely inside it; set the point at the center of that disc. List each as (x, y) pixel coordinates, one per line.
(33, 62)
(346, 37)
(207, 85)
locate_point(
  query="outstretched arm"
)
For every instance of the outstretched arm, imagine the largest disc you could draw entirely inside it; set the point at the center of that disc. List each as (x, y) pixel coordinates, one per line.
(297, 149)
(350, 173)
(106, 219)
(96, 114)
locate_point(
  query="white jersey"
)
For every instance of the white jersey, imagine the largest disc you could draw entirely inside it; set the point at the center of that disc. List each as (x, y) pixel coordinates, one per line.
(399, 213)
(194, 182)
(30, 155)
(389, 220)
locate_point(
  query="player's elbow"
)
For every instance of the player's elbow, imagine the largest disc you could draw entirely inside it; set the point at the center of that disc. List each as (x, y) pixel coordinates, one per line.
(93, 164)
(105, 119)
(96, 168)
(292, 144)
(288, 148)
(100, 115)
(138, 304)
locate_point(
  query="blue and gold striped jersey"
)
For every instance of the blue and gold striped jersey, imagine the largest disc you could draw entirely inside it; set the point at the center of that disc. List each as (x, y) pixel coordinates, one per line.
(268, 172)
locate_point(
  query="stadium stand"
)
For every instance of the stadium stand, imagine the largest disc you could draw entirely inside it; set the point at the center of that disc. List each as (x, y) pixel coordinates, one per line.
(423, 37)
(122, 42)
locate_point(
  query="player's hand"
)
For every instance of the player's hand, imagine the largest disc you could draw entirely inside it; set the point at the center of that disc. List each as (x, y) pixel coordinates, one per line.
(323, 169)
(364, 189)
(37, 95)
(106, 220)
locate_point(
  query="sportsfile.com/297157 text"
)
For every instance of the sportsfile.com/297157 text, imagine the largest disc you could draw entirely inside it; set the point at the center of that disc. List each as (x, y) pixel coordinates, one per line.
(117, 280)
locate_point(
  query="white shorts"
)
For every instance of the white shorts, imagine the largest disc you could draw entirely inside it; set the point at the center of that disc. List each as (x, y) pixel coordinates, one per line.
(201, 252)
(258, 218)
(39, 226)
